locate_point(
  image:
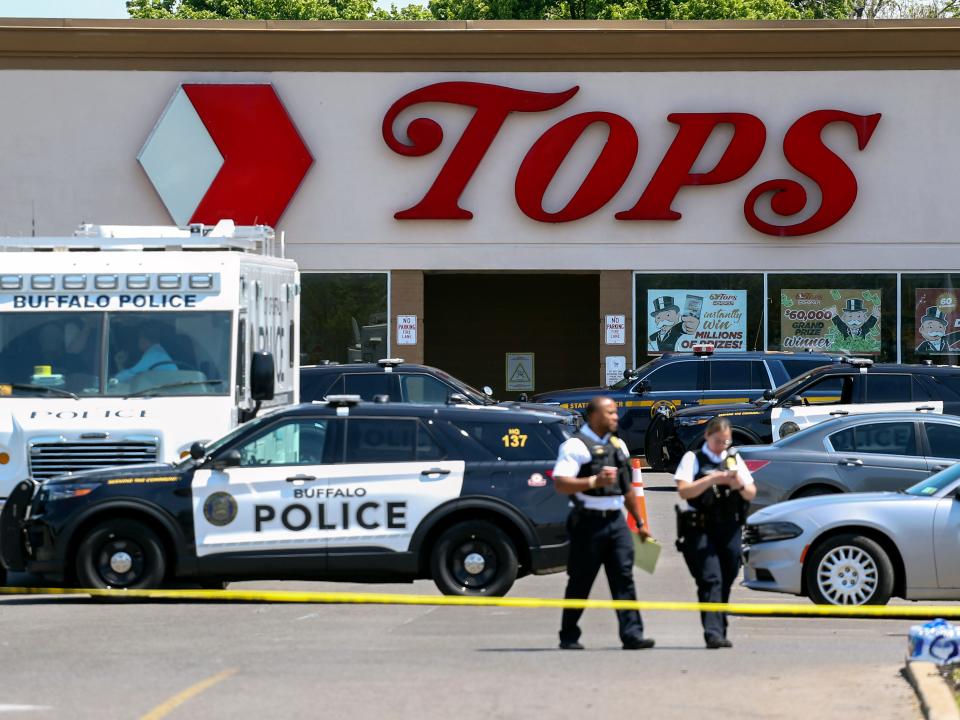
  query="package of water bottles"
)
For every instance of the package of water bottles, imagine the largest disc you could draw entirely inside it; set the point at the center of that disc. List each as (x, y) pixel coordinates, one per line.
(937, 641)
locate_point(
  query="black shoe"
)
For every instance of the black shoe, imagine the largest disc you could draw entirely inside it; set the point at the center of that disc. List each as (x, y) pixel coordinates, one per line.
(570, 645)
(639, 644)
(715, 642)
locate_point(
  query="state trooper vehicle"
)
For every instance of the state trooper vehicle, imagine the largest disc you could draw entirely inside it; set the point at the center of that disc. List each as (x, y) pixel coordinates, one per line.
(339, 490)
(675, 381)
(853, 386)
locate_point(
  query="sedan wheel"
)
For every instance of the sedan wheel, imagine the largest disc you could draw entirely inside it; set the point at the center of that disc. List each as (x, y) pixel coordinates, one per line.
(849, 570)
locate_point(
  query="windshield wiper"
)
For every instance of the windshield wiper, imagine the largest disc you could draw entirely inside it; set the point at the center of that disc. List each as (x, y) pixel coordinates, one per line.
(45, 388)
(186, 383)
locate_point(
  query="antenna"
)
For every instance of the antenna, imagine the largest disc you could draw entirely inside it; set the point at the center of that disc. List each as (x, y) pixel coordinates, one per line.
(33, 218)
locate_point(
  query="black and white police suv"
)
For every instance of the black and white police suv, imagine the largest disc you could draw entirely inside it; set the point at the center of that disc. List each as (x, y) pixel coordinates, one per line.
(338, 490)
(408, 382)
(852, 386)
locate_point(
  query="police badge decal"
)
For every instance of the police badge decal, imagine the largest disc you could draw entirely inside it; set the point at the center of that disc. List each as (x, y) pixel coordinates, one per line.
(220, 509)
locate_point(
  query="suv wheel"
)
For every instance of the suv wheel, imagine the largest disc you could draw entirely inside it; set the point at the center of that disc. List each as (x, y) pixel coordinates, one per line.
(849, 570)
(474, 558)
(120, 554)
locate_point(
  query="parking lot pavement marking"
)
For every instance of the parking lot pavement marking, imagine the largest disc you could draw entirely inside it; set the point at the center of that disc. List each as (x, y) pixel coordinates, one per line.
(168, 706)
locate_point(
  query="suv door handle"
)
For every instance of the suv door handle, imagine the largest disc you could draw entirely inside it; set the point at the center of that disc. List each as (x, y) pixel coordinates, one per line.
(926, 408)
(851, 462)
(840, 412)
(301, 478)
(434, 471)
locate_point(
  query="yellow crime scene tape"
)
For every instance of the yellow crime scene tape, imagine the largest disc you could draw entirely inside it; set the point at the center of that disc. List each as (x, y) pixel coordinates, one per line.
(913, 612)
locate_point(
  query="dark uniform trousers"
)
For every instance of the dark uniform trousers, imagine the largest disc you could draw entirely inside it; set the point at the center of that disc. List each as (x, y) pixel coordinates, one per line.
(713, 557)
(600, 540)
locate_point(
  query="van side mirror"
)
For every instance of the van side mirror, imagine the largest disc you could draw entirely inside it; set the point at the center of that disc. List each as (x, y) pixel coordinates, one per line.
(262, 376)
(231, 458)
(198, 451)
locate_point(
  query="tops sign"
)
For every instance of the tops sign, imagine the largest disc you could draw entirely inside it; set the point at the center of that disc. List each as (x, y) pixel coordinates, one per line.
(803, 149)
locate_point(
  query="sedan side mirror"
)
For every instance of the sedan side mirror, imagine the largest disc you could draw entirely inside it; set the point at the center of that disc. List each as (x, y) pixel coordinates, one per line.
(198, 451)
(457, 399)
(231, 458)
(768, 394)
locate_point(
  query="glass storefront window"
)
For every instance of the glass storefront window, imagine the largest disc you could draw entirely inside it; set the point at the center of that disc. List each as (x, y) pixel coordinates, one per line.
(930, 317)
(675, 311)
(833, 312)
(344, 317)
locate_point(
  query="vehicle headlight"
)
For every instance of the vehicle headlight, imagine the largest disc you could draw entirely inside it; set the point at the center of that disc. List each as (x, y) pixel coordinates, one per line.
(768, 532)
(53, 493)
(690, 421)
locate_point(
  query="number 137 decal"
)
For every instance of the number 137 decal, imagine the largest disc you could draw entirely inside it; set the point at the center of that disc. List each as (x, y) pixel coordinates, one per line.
(514, 439)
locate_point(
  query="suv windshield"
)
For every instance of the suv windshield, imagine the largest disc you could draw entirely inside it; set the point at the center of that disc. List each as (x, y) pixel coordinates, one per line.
(790, 388)
(475, 395)
(622, 384)
(96, 354)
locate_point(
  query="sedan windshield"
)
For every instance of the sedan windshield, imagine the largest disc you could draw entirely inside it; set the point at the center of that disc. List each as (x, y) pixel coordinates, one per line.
(119, 354)
(935, 483)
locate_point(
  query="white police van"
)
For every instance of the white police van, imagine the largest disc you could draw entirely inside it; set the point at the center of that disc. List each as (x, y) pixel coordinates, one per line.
(123, 345)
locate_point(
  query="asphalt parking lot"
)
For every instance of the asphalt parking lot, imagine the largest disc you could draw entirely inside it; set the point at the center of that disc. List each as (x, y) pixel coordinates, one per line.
(79, 658)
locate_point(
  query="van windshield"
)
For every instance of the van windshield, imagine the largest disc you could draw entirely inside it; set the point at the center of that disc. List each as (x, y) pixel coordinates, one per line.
(115, 354)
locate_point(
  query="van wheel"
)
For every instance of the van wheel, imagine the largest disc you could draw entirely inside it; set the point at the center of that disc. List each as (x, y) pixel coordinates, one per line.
(474, 558)
(849, 570)
(120, 554)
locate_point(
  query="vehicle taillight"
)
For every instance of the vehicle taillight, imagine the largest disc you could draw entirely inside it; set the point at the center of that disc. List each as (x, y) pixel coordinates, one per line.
(754, 465)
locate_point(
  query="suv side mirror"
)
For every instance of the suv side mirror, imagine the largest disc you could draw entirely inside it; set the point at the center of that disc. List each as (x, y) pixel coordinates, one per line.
(642, 387)
(262, 375)
(198, 451)
(231, 458)
(457, 399)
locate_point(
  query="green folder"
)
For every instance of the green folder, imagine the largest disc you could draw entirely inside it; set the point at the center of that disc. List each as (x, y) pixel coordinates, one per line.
(646, 554)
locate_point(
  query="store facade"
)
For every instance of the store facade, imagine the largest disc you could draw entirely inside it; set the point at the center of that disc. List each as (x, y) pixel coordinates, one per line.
(527, 206)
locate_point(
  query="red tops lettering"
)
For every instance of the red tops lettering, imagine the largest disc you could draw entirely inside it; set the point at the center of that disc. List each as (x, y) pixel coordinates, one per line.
(803, 149)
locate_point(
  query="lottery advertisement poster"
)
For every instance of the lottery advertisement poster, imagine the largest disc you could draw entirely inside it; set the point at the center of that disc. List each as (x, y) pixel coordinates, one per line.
(679, 319)
(937, 321)
(830, 320)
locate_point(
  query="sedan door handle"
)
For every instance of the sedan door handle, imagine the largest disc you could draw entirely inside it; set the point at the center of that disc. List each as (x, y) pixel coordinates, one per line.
(840, 412)
(926, 408)
(301, 478)
(938, 468)
(851, 462)
(434, 471)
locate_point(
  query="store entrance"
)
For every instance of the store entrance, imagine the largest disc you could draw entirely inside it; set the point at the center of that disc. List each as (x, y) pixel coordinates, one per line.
(472, 321)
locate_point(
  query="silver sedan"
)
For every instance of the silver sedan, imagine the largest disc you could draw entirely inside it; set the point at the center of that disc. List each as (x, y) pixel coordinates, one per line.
(856, 453)
(860, 548)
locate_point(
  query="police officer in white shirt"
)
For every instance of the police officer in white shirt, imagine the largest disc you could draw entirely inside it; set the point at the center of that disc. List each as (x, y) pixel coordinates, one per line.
(717, 489)
(593, 468)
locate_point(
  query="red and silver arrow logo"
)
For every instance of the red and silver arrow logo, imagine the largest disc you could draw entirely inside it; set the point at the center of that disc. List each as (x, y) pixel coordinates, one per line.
(225, 152)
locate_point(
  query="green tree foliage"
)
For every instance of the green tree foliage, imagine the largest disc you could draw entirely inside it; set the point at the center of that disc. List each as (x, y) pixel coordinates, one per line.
(540, 9)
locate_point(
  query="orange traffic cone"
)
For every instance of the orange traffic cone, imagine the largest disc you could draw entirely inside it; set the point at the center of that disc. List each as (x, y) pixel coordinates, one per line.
(637, 478)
